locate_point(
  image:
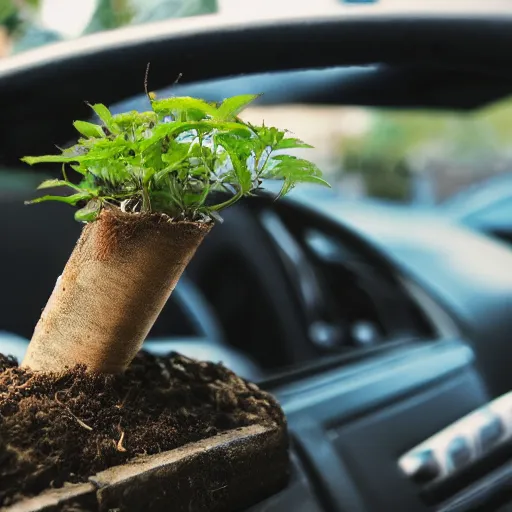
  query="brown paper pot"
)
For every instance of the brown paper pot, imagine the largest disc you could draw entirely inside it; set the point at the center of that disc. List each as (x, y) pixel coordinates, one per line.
(115, 284)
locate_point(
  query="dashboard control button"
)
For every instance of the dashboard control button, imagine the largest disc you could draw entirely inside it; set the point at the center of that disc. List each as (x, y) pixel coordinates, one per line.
(491, 433)
(461, 444)
(459, 453)
(422, 466)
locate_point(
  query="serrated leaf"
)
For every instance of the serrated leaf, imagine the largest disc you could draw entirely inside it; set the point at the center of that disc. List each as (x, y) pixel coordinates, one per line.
(57, 183)
(231, 107)
(175, 129)
(52, 183)
(290, 163)
(46, 159)
(287, 186)
(293, 170)
(89, 130)
(290, 182)
(233, 147)
(72, 199)
(291, 143)
(183, 104)
(270, 136)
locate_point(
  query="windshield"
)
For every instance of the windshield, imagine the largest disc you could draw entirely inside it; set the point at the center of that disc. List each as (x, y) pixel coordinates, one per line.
(417, 157)
(26, 24)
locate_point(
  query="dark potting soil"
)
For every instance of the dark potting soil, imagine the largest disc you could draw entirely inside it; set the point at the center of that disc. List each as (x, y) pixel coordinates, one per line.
(57, 428)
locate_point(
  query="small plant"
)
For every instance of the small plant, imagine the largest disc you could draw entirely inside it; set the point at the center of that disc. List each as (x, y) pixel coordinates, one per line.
(173, 159)
(148, 195)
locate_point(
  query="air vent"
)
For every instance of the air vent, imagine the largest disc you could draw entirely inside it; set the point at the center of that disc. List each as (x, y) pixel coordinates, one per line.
(348, 301)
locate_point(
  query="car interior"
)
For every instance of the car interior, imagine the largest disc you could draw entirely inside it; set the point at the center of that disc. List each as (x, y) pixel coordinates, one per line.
(390, 355)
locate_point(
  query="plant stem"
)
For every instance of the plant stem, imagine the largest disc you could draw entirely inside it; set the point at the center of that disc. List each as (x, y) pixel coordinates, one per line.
(229, 202)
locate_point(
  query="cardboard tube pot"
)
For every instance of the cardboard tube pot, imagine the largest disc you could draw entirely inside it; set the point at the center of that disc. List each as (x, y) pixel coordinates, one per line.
(116, 282)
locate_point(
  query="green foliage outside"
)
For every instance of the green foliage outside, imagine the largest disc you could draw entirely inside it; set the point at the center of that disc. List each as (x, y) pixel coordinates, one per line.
(110, 14)
(402, 142)
(20, 18)
(174, 158)
(9, 16)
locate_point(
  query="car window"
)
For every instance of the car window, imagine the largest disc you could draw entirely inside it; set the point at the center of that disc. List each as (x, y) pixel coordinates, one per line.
(418, 157)
(27, 24)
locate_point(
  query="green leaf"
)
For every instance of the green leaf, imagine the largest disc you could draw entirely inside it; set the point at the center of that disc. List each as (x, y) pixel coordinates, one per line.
(89, 130)
(175, 129)
(231, 107)
(183, 104)
(288, 184)
(291, 143)
(289, 164)
(104, 115)
(78, 169)
(46, 159)
(89, 212)
(57, 183)
(234, 148)
(270, 136)
(72, 199)
(129, 122)
(293, 170)
(148, 174)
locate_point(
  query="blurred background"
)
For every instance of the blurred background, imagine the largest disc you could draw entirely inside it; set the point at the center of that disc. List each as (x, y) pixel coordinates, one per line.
(420, 158)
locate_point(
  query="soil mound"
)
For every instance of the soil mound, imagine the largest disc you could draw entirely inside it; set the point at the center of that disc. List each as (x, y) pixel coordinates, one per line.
(65, 427)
